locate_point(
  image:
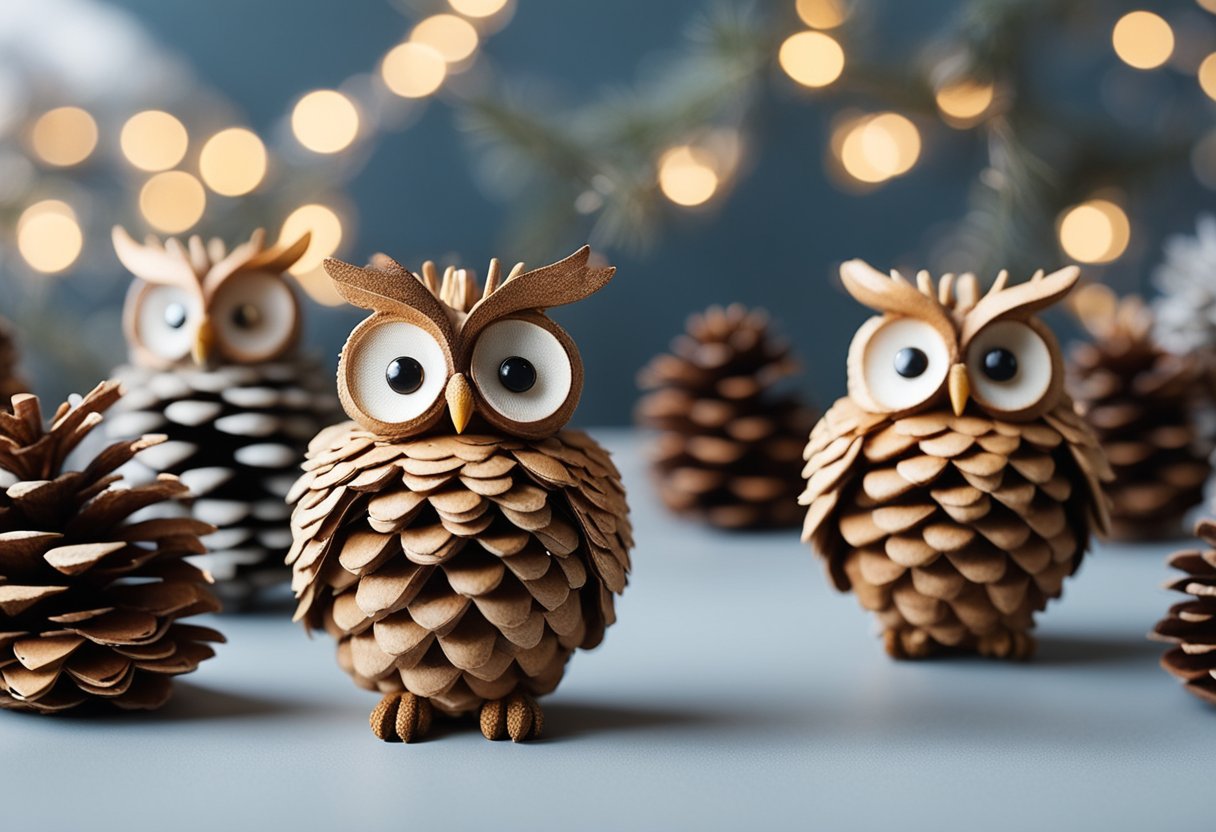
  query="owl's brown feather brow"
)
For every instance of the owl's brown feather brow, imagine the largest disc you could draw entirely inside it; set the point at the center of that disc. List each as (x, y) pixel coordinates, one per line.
(1020, 301)
(392, 289)
(895, 295)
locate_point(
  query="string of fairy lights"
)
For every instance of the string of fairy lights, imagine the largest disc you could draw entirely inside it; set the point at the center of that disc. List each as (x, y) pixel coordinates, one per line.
(176, 175)
(868, 149)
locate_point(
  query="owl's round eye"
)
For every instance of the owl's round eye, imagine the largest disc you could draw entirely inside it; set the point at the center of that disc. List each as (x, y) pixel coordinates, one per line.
(1010, 366)
(255, 317)
(395, 372)
(162, 321)
(904, 363)
(522, 370)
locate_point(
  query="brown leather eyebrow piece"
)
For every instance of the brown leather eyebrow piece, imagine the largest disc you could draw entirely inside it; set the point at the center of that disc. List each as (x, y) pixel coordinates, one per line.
(395, 290)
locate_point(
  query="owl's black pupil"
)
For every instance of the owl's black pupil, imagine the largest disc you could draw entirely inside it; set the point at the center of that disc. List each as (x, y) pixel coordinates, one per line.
(404, 375)
(246, 316)
(1000, 364)
(517, 374)
(175, 315)
(911, 362)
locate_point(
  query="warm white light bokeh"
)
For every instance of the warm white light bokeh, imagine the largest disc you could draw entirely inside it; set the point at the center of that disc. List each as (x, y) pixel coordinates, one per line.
(823, 14)
(478, 8)
(687, 176)
(964, 103)
(413, 70)
(326, 229)
(64, 136)
(452, 37)
(874, 148)
(233, 162)
(1207, 76)
(1143, 40)
(813, 59)
(172, 201)
(325, 121)
(1096, 231)
(49, 236)
(153, 140)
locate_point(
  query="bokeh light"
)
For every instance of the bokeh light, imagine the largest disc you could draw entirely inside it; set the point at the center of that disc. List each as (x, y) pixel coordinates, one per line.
(823, 14)
(1207, 76)
(1096, 231)
(478, 8)
(1209, 5)
(172, 201)
(325, 121)
(875, 148)
(49, 236)
(964, 103)
(813, 59)
(64, 136)
(326, 229)
(452, 37)
(687, 176)
(153, 140)
(233, 162)
(413, 70)
(1143, 40)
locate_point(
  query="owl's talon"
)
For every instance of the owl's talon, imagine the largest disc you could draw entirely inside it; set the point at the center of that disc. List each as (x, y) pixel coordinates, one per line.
(907, 643)
(517, 716)
(401, 717)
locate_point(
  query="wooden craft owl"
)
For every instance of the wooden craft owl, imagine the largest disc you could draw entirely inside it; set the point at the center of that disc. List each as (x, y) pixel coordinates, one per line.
(955, 487)
(454, 539)
(214, 365)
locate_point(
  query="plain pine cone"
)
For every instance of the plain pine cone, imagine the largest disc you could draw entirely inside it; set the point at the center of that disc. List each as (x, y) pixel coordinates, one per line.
(729, 449)
(90, 602)
(1139, 399)
(1191, 624)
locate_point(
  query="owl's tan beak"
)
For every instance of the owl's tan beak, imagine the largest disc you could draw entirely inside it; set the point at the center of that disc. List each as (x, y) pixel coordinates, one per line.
(960, 388)
(204, 343)
(460, 401)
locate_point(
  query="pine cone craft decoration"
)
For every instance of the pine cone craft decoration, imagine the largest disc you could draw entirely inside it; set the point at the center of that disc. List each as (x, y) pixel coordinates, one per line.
(455, 539)
(213, 336)
(955, 487)
(91, 603)
(11, 382)
(1191, 625)
(729, 446)
(1139, 399)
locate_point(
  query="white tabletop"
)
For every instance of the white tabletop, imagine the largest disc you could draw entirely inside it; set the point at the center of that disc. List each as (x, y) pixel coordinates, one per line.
(736, 689)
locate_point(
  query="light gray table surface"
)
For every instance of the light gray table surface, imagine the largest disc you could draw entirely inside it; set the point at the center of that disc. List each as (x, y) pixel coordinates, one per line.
(736, 690)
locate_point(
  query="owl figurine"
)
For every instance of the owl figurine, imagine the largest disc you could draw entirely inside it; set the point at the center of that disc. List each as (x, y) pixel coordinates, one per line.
(214, 366)
(454, 538)
(955, 487)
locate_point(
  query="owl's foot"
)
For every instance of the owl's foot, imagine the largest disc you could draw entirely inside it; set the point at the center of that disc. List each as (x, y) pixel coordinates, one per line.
(907, 643)
(401, 717)
(1016, 646)
(516, 716)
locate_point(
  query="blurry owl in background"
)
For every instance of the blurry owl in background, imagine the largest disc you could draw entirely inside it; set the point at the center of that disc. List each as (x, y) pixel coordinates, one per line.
(213, 336)
(955, 487)
(456, 539)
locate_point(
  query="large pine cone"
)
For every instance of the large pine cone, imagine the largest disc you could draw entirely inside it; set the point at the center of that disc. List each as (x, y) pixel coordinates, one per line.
(1140, 401)
(11, 382)
(462, 568)
(237, 436)
(730, 447)
(90, 603)
(1191, 625)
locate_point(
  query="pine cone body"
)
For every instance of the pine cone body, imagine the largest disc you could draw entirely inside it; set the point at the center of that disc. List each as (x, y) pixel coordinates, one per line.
(954, 531)
(729, 447)
(11, 382)
(237, 436)
(1191, 625)
(1139, 399)
(91, 603)
(462, 568)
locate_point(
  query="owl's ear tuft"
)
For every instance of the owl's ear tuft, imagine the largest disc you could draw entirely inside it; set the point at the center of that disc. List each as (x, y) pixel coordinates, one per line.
(892, 294)
(152, 261)
(1020, 301)
(393, 289)
(279, 258)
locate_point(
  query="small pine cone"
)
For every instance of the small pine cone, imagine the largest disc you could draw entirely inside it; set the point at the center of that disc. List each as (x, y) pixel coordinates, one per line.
(90, 602)
(729, 448)
(1139, 399)
(237, 436)
(1191, 625)
(11, 382)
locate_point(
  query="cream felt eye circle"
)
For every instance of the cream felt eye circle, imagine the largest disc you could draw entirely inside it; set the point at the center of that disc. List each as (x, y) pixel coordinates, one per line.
(167, 320)
(396, 372)
(522, 370)
(254, 316)
(1009, 366)
(905, 363)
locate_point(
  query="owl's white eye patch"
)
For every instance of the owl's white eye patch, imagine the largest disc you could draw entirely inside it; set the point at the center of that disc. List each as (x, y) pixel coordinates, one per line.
(1009, 366)
(167, 320)
(522, 370)
(254, 316)
(905, 362)
(396, 372)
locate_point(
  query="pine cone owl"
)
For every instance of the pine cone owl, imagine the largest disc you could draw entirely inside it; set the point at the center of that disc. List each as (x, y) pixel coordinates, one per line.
(955, 487)
(213, 336)
(454, 539)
